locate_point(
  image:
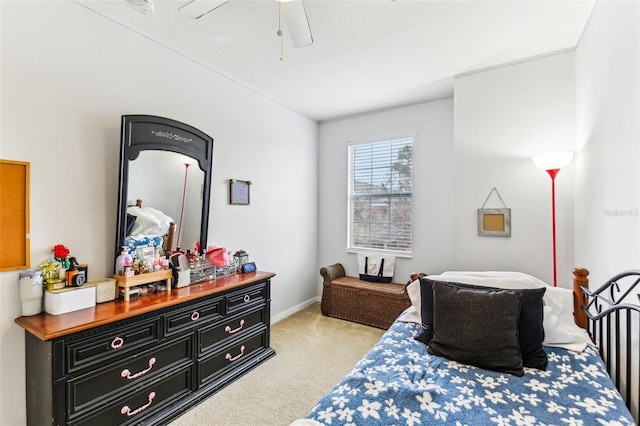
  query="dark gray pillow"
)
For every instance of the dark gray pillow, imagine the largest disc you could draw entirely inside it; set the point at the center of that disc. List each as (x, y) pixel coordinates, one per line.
(530, 324)
(477, 327)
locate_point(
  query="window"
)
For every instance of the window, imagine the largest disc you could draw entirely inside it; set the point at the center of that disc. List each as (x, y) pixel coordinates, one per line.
(380, 196)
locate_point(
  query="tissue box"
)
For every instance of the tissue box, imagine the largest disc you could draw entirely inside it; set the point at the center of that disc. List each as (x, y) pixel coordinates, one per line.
(70, 299)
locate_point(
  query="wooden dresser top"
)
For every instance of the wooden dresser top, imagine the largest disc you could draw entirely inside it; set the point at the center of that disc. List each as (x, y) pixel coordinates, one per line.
(48, 327)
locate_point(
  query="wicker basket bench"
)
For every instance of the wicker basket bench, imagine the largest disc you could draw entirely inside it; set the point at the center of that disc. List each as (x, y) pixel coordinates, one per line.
(349, 298)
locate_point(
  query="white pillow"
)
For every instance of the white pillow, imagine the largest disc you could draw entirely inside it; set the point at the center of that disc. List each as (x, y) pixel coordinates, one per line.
(146, 223)
(413, 312)
(163, 219)
(559, 327)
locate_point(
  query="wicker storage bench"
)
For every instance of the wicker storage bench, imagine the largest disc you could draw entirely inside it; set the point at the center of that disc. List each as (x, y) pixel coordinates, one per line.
(349, 298)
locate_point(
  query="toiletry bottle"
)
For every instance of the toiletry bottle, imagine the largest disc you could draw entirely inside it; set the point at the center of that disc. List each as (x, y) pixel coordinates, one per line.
(123, 261)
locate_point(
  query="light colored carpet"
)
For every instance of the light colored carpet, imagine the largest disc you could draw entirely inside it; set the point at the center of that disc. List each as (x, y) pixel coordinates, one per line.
(313, 353)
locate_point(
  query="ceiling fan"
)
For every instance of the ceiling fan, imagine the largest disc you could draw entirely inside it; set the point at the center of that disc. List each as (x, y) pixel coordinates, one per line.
(292, 11)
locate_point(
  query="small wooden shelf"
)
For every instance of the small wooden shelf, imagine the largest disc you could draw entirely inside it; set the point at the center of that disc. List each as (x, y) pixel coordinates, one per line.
(149, 277)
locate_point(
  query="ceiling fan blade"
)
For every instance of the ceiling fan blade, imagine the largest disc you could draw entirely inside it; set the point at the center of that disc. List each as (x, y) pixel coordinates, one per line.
(198, 8)
(296, 18)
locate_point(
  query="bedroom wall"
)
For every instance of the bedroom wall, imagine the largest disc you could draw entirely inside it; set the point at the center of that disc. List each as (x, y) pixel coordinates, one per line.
(607, 215)
(607, 197)
(432, 126)
(484, 137)
(502, 118)
(67, 76)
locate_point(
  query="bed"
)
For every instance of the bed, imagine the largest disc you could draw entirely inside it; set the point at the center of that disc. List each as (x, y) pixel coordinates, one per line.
(148, 227)
(563, 379)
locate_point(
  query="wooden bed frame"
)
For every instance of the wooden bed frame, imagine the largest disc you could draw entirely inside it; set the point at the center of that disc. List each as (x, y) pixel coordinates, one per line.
(611, 316)
(168, 237)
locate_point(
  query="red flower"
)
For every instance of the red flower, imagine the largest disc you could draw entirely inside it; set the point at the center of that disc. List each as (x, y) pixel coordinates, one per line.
(60, 252)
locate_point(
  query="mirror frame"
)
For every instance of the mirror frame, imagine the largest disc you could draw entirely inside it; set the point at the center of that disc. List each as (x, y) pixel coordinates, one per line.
(148, 132)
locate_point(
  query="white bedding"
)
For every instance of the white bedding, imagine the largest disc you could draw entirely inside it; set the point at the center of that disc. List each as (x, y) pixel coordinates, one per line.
(150, 222)
(559, 327)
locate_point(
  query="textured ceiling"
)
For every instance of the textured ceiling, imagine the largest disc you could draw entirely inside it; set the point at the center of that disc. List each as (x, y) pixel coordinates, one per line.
(367, 55)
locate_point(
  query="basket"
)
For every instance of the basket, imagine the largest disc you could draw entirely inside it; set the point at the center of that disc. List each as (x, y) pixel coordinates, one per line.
(105, 289)
(370, 303)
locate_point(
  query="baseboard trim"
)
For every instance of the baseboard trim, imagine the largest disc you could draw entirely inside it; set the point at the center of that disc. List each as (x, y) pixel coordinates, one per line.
(294, 309)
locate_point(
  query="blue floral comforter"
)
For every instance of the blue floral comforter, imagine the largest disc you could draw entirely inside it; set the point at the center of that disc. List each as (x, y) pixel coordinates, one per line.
(131, 243)
(399, 383)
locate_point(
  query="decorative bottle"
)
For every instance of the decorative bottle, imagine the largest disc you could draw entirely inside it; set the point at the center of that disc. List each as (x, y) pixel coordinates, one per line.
(123, 261)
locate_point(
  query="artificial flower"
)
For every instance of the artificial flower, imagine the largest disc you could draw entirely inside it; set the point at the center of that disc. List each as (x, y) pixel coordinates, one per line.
(60, 252)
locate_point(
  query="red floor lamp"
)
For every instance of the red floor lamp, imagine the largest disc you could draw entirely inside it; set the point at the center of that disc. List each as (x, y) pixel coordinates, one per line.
(552, 163)
(187, 161)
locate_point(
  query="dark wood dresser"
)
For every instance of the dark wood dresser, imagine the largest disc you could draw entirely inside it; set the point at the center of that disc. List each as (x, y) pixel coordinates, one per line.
(146, 361)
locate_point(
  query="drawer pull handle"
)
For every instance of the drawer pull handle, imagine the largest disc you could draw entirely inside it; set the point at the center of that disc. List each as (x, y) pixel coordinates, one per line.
(126, 410)
(195, 316)
(233, 358)
(246, 298)
(117, 342)
(126, 373)
(230, 331)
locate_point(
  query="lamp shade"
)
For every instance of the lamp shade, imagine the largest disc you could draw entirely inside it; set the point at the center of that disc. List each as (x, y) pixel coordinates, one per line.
(554, 161)
(186, 160)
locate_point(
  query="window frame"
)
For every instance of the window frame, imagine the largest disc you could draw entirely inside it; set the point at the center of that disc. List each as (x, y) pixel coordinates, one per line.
(351, 248)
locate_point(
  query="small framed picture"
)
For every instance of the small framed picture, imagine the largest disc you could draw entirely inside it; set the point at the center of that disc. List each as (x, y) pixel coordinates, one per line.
(239, 191)
(494, 222)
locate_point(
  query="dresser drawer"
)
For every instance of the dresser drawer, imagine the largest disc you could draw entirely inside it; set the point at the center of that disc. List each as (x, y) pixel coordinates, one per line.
(211, 338)
(101, 386)
(216, 365)
(247, 297)
(192, 316)
(111, 344)
(134, 407)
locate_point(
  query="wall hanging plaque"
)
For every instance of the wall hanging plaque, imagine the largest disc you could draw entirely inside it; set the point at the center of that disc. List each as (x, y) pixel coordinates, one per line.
(239, 191)
(494, 222)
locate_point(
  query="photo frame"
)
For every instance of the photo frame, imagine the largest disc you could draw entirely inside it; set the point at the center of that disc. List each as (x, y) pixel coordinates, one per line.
(494, 222)
(239, 191)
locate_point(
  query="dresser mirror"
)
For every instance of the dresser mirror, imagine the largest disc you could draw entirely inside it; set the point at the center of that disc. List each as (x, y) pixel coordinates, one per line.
(165, 165)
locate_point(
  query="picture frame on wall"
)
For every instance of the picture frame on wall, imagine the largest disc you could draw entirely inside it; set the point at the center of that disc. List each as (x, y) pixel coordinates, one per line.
(494, 222)
(239, 191)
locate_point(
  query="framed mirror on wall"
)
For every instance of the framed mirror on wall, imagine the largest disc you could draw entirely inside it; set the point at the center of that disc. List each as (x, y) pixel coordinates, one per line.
(164, 184)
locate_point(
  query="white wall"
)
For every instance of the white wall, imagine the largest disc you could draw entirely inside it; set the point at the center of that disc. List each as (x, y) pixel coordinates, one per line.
(503, 117)
(432, 126)
(607, 216)
(607, 197)
(67, 77)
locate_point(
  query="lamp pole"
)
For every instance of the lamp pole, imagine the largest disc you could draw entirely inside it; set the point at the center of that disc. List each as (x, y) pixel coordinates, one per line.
(552, 163)
(184, 193)
(553, 173)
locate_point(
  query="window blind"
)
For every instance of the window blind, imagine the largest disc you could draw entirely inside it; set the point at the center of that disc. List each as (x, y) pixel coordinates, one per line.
(380, 184)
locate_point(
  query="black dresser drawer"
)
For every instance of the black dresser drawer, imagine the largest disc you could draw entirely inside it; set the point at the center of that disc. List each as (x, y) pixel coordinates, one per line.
(111, 344)
(139, 404)
(216, 365)
(151, 361)
(101, 386)
(211, 338)
(192, 316)
(247, 297)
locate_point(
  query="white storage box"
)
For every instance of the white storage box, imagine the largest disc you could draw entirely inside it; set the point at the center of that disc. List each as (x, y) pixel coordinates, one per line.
(105, 289)
(70, 299)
